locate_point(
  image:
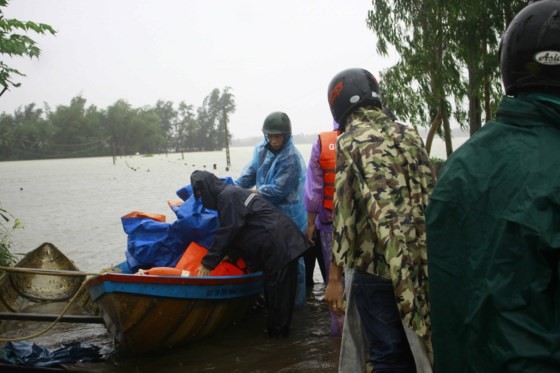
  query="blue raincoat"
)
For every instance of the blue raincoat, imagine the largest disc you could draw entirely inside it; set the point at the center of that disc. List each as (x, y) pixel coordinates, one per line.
(279, 178)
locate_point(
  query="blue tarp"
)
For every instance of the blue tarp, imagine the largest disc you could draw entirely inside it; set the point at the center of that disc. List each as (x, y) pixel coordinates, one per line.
(158, 244)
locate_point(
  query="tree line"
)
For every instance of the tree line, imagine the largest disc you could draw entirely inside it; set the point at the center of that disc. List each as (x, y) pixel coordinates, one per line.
(448, 71)
(79, 130)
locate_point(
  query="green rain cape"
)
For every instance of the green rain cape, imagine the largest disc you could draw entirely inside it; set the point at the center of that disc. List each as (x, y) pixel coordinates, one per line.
(493, 229)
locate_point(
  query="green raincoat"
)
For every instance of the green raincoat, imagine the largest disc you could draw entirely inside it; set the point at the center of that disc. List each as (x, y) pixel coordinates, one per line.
(493, 229)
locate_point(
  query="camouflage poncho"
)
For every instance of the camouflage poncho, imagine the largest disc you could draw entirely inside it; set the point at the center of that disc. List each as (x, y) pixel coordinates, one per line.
(383, 182)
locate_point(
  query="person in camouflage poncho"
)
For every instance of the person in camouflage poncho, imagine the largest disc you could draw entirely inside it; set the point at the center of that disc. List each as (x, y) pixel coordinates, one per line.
(383, 182)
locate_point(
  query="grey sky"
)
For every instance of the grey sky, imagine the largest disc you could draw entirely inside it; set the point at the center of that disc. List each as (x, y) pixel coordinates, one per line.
(275, 55)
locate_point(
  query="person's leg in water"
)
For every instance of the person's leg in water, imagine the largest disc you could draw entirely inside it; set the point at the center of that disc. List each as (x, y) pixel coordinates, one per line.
(309, 258)
(388, 346)
(353, 344)
(280, 293)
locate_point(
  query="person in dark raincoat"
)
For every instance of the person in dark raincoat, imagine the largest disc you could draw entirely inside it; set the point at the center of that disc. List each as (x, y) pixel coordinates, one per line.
(268, 239)
(493, 221)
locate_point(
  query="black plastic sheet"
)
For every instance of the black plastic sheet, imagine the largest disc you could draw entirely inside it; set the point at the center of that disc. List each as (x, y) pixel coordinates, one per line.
(32, 354)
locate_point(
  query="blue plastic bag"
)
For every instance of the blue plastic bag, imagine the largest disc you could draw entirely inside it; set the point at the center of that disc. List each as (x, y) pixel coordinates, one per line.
(153, 243)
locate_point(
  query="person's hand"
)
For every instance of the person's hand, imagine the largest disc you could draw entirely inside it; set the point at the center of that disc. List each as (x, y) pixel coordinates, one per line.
(227, 259)
(334, 296)
(204, 271)
(334, 292)
(310, 233)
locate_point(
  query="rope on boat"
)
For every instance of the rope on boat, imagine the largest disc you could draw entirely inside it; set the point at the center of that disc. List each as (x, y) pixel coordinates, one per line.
(48, 272)
(70, 302)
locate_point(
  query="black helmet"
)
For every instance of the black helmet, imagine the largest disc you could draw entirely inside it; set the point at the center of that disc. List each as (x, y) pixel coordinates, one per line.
(277, 123)
(351, 89)
(530, 49)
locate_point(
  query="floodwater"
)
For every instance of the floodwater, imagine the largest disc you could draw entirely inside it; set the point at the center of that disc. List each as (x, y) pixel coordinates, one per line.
(76, 204)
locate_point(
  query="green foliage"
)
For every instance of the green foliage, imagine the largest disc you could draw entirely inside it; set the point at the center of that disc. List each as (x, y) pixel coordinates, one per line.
(448, 55)
(212, 120)
(14, 42)
(7, 225)
(79, 130)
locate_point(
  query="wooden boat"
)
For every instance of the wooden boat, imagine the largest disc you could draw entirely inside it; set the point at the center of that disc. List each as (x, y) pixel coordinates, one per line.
(153, 313)
(39, 287)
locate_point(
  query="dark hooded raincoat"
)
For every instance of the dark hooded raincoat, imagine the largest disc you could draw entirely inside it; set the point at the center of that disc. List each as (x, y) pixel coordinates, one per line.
(265, 236)
(269, 241)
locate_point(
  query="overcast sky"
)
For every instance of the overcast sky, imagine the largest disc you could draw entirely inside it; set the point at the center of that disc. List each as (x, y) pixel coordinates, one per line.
(275, 55)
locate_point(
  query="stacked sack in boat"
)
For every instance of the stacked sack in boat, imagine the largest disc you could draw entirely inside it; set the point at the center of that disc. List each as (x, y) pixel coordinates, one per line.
(191, 261)
(152, 242)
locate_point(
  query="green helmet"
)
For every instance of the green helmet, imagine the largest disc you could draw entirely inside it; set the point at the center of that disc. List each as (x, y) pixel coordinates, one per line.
(277, 123)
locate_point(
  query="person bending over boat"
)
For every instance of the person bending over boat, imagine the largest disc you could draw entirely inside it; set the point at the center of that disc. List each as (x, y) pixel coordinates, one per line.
(264, 236)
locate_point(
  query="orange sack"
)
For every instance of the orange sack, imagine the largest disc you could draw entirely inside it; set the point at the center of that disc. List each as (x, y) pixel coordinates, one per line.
(191, 260)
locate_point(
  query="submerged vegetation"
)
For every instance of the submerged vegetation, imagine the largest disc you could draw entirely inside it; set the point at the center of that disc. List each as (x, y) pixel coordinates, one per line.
(7, 225)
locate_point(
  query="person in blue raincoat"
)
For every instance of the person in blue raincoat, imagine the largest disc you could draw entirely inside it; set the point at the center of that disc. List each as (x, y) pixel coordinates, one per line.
(277, 170)
(277, 173)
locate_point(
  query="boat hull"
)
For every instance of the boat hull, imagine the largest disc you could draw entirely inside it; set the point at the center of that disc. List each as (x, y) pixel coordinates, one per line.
(31, 292)
(154, 313)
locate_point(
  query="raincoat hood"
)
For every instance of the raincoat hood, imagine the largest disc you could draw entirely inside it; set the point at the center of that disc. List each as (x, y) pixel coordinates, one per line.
(209, 186)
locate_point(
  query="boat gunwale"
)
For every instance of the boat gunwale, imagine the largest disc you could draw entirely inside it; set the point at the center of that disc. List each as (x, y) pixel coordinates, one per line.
(175, 280)
(201, 288)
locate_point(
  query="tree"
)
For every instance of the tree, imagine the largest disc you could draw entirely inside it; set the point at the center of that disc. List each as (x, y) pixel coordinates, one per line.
(212, 119)
(448, 53)
(133, 130)
(185, 127)
(227, 102)
(13, 43)
(417, 88)
(76, 130)
(168, 120)
(478, 35)
(32, 132)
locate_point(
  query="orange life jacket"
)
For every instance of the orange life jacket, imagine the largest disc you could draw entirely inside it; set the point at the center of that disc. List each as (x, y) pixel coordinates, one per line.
(327, 161)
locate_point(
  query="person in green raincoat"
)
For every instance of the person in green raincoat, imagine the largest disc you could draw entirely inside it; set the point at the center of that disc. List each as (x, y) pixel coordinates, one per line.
(493, 221)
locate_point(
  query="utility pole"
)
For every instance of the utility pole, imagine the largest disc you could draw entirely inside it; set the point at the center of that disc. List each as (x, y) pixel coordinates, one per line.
(228, 160)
